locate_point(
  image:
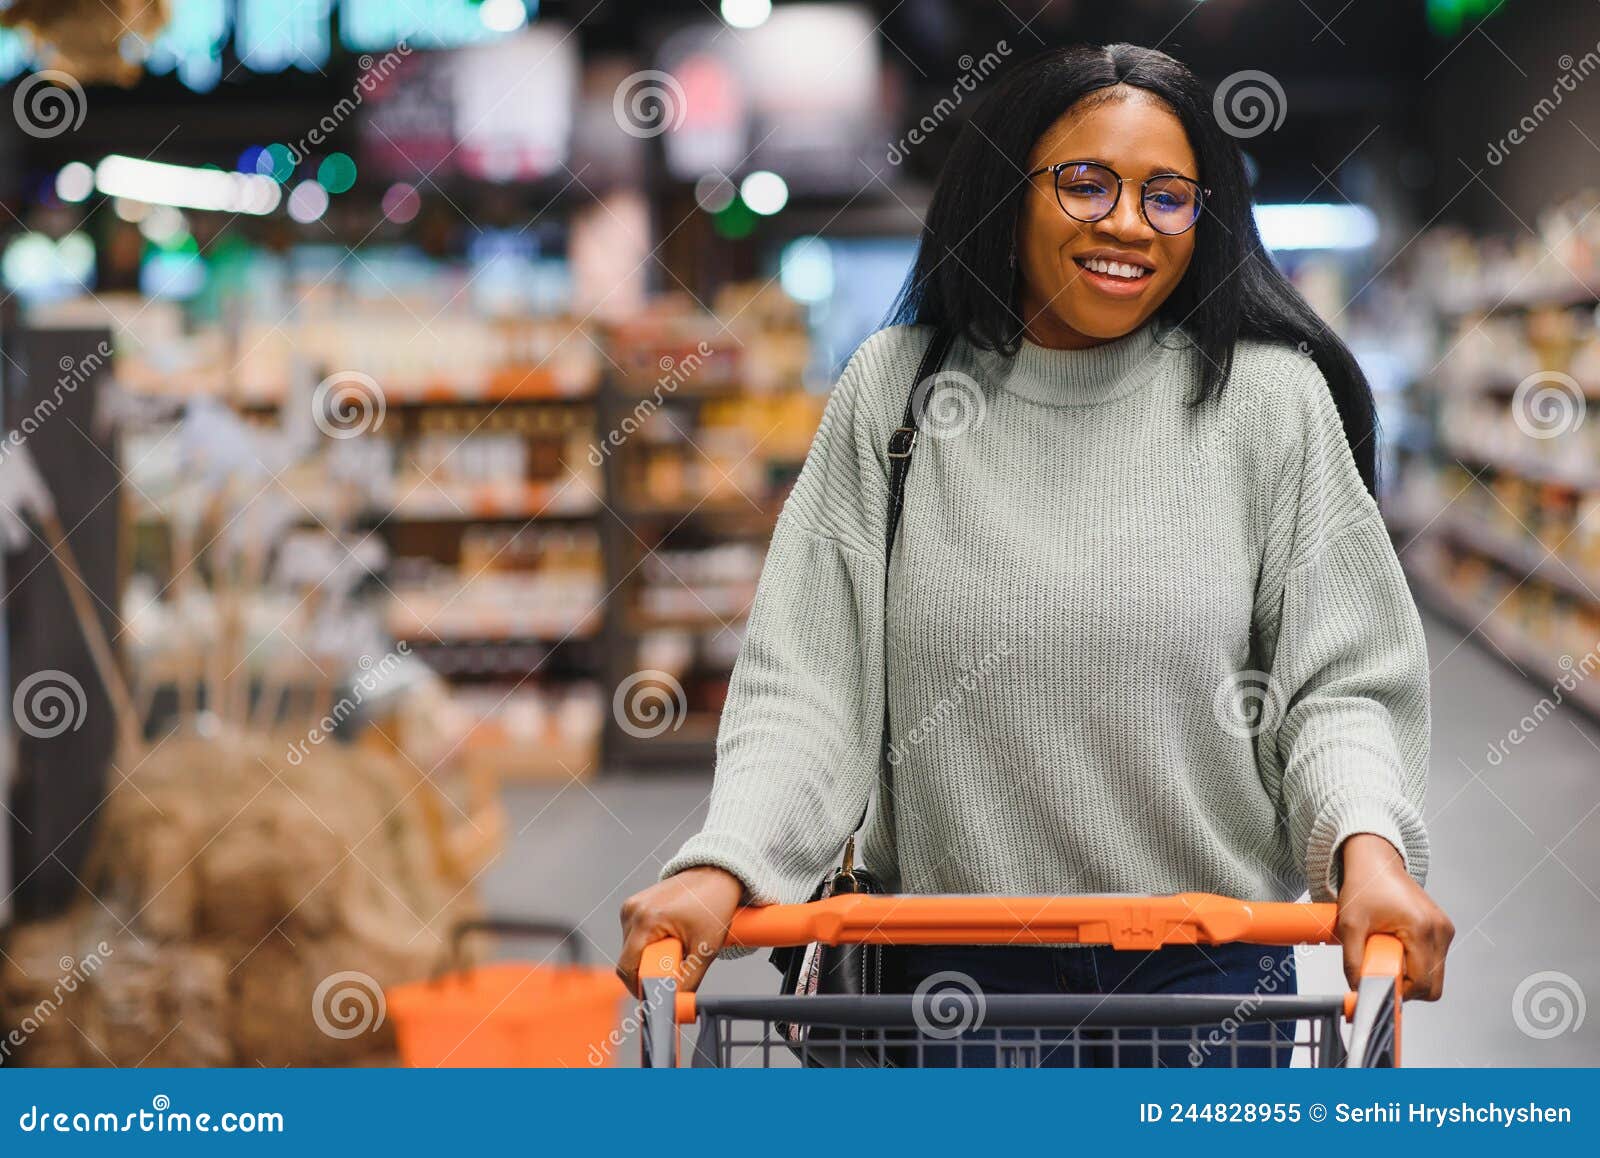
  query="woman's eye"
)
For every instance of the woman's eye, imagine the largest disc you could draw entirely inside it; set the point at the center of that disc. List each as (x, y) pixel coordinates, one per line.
(1167, 200)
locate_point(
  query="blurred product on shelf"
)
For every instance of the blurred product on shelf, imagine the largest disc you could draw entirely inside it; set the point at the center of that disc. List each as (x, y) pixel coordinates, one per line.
(509, 584)
(1498, 510)
(706, 420)
(535, 503)
(258, 839)
(1557, 263)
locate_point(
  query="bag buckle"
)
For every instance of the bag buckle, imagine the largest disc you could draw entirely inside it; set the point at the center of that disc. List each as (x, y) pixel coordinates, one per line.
(902, 441)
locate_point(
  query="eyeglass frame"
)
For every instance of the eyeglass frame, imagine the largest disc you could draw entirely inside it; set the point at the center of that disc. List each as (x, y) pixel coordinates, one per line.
(1055, 173)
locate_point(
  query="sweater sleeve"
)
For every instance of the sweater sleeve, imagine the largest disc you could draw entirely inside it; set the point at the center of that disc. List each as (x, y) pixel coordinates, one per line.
(798, 745)
(1347, 661)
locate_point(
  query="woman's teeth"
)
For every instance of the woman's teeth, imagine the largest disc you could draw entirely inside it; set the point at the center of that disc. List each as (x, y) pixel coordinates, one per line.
(1114, 268)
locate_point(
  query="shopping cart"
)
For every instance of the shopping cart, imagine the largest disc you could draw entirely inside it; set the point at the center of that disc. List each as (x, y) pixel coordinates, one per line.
(1355, 1030)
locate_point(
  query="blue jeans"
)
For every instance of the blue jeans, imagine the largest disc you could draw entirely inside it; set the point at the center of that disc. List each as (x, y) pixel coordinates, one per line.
(1235, 969)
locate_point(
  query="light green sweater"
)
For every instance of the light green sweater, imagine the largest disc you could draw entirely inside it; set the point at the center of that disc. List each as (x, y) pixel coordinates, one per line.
(1133, 645)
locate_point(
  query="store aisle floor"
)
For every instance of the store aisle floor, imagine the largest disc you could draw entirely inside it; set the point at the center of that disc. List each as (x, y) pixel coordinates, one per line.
(1516, 862)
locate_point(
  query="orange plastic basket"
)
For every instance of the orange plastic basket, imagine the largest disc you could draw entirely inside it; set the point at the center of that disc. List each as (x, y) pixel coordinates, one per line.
(513, 1013)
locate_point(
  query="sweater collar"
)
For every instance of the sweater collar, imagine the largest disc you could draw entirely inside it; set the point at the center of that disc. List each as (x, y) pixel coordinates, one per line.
(1086, 377)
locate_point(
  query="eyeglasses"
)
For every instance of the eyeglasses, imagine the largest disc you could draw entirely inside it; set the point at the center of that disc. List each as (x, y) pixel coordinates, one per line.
(1087, 191)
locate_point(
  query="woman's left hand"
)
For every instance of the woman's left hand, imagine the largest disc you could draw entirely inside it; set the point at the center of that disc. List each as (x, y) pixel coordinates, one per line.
(1379, 896)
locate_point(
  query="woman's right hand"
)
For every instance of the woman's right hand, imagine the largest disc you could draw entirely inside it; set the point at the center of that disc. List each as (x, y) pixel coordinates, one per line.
(694, 906)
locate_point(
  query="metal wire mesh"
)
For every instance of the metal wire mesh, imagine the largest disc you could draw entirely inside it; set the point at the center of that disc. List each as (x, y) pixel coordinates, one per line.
(1010, 1031)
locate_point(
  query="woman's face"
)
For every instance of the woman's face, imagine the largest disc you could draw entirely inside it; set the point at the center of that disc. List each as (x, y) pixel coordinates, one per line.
(1065, 302)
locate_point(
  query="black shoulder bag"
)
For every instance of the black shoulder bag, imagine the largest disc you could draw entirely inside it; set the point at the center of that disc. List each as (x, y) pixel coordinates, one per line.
(858, 969)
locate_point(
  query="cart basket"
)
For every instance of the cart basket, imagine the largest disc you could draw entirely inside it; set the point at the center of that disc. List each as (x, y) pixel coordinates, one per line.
(961, 1026)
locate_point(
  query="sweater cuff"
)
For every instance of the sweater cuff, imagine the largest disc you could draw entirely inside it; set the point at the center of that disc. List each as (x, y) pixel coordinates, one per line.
(1395, 821)
(734, 855)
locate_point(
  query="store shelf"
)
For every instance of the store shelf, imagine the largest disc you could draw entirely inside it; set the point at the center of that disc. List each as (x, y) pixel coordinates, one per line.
(1578, 293)
(1500, 385)
(1531, 469)
(432, 502)
(692, 745)
(1520, 554)
(1529, 655)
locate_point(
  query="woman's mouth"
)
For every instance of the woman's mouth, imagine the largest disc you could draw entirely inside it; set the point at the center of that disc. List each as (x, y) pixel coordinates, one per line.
(1116, 278)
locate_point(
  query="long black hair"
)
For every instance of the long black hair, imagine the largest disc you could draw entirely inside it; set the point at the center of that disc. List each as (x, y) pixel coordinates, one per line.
(1231, 289)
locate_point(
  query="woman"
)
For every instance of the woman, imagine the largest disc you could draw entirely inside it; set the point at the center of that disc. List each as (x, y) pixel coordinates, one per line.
(1144, 630)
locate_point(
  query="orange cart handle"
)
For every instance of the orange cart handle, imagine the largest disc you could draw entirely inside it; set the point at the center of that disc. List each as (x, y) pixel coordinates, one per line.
(662, 958)
(662, 964)
(1122, 922)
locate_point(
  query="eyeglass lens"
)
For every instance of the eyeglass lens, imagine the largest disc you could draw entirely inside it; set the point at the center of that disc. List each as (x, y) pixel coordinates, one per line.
(1088, 192)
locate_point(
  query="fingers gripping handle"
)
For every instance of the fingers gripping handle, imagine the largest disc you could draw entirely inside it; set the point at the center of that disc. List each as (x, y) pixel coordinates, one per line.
(1375, 1022)
(659, 969)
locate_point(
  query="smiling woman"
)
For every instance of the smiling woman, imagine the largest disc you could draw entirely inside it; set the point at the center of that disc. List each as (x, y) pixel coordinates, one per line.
(1203, 673)
(1082, 285)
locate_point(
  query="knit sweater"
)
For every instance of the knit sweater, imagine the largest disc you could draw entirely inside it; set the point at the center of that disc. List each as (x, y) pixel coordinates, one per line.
(1134, 645)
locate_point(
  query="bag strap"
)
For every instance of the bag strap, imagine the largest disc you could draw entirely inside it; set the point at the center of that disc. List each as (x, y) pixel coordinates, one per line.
(901, 443)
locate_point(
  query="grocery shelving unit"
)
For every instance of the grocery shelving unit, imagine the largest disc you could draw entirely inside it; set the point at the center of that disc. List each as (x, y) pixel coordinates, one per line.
(693, 496)
(471, 476)
(1502, 528)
